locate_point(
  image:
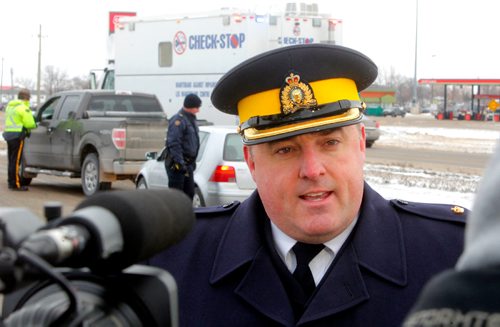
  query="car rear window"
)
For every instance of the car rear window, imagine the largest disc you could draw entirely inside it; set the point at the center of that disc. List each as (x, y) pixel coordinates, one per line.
(121, 103)
(233, 148)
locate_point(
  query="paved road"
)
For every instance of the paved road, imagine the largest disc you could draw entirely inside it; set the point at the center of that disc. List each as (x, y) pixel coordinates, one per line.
(45, 189)
(68, 191)
(456, 162)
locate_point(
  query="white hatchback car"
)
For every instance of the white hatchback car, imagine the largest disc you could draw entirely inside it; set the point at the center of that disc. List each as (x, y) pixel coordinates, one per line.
(221, 174)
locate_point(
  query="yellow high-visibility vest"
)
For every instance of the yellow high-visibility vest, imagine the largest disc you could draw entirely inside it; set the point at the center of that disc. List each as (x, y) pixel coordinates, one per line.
(18, 115)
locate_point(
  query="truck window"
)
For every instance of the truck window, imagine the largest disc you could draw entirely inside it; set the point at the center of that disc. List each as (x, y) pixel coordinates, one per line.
(69, 107)
(124, 103)
(47, 111)
(100, 105)
(165, 54)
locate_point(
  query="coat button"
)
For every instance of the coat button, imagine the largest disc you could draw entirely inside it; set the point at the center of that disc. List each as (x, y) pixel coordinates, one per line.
(457, 210)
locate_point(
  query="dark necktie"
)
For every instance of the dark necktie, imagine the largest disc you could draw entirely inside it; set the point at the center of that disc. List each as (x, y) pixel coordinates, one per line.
(304, 254)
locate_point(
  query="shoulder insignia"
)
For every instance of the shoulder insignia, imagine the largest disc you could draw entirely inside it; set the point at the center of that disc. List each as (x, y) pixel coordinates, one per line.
(215, 211)
(177, 122)
(27, 110)
(447, 212)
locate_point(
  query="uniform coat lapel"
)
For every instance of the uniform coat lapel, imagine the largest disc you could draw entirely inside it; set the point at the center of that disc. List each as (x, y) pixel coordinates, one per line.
(376, 245)
(243, 244)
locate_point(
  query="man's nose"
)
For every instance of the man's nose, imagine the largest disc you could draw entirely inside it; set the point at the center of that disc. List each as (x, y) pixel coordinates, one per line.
(311, 165)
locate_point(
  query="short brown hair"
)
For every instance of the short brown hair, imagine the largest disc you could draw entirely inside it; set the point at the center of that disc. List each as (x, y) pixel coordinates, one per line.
(24, 94)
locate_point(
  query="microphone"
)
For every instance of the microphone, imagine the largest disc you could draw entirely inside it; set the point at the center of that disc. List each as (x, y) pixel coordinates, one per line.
(113, 230)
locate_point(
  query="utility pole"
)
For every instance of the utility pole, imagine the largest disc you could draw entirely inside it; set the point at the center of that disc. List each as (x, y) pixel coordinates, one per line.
(38, 77)
(11, 83)
(1, 85)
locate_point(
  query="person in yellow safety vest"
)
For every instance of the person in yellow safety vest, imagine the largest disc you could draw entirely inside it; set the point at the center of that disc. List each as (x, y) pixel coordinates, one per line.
(19, 121)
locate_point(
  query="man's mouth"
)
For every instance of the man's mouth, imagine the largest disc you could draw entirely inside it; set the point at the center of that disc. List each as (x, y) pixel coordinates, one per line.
(315, 196)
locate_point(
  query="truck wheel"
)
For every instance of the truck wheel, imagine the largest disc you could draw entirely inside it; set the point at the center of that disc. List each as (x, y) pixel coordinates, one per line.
(90, 176)
(25, 181)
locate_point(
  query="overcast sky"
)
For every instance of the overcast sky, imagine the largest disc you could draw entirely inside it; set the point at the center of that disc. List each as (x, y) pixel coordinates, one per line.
(456, 38)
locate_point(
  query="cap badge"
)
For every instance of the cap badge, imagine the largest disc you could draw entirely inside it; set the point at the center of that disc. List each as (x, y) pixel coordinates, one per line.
(296, 95)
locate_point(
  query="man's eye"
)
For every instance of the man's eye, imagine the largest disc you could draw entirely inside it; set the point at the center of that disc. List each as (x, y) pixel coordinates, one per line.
(284, 150)
(332, 142)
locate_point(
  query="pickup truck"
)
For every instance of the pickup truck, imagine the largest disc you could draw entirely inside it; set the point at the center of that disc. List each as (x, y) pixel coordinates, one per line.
(98, 136)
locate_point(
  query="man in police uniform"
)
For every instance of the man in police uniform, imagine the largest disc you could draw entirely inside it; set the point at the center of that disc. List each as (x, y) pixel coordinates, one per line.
(314, 245)
(183, 144)
(19, 121)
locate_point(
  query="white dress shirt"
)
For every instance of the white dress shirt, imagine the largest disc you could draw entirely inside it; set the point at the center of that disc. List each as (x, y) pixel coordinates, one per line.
(320, 263)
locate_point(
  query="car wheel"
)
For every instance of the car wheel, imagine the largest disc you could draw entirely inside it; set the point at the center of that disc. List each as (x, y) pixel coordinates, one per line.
(141, 184)
(25, 181)
(90, 176)
(369, 144)
(198, 198)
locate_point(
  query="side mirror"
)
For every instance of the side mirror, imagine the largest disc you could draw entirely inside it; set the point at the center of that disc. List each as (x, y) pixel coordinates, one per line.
(152, 155)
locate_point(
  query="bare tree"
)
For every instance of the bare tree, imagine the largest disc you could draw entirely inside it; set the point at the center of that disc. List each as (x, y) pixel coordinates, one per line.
(78, 83)
(25, 83)
(55, 80)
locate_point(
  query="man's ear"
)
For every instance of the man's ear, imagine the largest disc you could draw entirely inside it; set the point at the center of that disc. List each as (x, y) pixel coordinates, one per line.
(363, 137)
(249, 159)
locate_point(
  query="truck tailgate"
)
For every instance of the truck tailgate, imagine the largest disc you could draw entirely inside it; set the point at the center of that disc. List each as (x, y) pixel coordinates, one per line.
(143, 135)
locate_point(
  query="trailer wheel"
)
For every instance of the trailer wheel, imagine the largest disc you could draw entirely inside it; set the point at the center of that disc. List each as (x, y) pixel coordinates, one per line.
(90, 176)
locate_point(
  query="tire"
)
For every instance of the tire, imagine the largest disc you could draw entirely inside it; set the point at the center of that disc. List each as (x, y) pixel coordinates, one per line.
(141, 184)
(198, 200)
(369, 144)
(25, 181)
(90, 173)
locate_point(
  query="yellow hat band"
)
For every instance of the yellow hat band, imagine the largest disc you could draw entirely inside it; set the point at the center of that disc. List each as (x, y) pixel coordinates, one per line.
(268, 102)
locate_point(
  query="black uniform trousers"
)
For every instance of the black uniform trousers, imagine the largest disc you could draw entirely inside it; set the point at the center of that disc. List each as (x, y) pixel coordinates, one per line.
(183, 181)
(14, 153)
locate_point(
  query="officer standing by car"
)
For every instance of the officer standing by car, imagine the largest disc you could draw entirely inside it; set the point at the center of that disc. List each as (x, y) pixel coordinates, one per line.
(183, 144)
(19, 121)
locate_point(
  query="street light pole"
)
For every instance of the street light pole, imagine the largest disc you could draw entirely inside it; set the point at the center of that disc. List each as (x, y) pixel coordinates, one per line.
(415, 103)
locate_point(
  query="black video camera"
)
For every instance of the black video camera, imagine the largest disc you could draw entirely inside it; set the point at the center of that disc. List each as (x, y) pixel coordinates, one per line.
(83, 270)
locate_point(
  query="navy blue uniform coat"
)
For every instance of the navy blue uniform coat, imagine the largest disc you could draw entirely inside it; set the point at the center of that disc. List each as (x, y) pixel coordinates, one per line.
(226, 277)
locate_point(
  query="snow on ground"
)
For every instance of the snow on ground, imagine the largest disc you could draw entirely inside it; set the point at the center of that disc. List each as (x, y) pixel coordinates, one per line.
(430, 193)
(451, 139)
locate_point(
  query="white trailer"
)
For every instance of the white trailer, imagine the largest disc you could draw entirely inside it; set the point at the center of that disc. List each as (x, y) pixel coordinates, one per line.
(173, 56)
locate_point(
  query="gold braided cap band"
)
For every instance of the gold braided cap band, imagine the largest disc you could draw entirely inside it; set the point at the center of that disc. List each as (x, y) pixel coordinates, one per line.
(327, 103)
